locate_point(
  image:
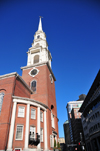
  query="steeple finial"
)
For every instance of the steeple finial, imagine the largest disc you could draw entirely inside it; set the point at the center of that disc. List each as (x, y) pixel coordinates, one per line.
(40, 24)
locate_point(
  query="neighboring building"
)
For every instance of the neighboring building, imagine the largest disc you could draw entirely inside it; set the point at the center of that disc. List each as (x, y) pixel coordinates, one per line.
(90, 110)
(76, 125)
(74, 104)
(66, 132)
(61, 140)
(28, 103)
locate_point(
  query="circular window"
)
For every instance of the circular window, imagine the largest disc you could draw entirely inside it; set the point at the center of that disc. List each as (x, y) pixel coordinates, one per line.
(34, 72)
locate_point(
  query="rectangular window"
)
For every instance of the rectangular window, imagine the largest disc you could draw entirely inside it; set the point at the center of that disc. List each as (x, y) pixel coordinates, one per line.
(52, 120)
(41, 135)
(19, 132)
(32, 113)
(21, 111)
(51, 141)
(1, 100)
(41, 116)
(32, 131)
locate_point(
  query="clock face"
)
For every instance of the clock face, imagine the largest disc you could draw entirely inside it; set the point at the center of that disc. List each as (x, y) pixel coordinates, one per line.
(34, 72)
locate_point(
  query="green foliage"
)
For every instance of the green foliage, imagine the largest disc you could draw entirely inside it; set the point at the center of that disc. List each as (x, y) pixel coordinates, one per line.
(54, 143)
(58, 145)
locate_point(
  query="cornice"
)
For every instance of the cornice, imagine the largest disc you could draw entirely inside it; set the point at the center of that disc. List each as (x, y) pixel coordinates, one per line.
(28, 99)
(17, 76)
(39, 64)
(8, 75)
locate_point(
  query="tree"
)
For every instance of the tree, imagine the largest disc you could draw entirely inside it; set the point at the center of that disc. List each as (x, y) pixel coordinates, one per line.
(58, 145)
(54, 143)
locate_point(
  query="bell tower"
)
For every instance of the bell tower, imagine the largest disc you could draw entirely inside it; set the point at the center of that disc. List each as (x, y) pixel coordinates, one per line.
(39, 52)
(40, 78)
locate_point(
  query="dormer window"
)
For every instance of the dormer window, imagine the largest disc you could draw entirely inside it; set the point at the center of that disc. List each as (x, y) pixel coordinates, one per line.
(38, 36)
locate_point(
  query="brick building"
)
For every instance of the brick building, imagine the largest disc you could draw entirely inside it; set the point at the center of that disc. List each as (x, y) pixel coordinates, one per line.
(90, 110)
(28, 103)
(74, 118)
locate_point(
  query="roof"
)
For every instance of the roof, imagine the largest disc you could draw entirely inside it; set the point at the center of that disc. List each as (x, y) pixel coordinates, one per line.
(17, 76)
(94, 86)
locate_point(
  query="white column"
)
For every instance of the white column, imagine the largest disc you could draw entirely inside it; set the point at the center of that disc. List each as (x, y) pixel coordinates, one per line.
(10, 141)
(38, 125)
(27, 127)
(45, 132)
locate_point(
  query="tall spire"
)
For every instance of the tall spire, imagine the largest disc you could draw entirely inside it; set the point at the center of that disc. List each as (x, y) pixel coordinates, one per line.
(40, 24)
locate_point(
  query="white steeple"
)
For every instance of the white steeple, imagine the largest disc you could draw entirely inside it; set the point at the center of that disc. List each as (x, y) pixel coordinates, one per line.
(40, 25)
(39, 52)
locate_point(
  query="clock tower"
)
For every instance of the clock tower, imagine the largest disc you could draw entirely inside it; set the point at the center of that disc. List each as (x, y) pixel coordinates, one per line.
(39, 77)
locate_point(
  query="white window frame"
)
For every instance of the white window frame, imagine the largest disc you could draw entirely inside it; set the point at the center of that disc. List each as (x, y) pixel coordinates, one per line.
(51, 141)
(34, 131)
(22, 133)
(34, 115)
(36, 85)
(1, 97)
(41, 136)
(52, 120)
(19, 112)
(41, 118)
(35, 74)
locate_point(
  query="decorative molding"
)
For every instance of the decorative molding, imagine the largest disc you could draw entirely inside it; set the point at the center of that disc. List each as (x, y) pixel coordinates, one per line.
(29, 101)
(39, 64)
(35, 74)
(17, 76)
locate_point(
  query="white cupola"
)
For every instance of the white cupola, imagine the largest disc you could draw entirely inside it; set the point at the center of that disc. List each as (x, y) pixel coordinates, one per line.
(39, 52)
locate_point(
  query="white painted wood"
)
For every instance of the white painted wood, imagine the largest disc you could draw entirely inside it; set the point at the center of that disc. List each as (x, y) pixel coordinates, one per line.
(38, 125)
(10, 140)
(27, 127)
(45, 131)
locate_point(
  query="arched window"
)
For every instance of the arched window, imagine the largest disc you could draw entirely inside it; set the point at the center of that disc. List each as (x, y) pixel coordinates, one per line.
(33, 86)
(36, 58)
(1, 100)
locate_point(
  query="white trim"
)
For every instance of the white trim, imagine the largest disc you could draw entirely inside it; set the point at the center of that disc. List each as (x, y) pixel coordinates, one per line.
(34, 131)
(36, 85)
(40, 64)
(41, 118)
(16, 75)
(8, 75)
(35, 74)
(27, 126)
(22, 132)
(35, 113)
(24, 111)
(38, 124)
(10, 141)
(29, 102)
(35, 65)
(41, 139)
(45, 131)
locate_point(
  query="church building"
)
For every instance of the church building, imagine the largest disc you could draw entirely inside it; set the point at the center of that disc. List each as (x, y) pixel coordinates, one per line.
(28, 111)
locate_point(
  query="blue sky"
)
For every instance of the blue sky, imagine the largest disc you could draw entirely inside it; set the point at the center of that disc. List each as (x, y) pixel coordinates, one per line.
(73, 35)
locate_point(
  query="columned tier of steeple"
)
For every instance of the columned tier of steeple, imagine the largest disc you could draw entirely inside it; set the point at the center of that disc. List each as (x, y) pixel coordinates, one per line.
(39, 52)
